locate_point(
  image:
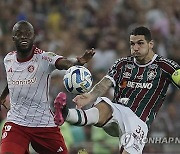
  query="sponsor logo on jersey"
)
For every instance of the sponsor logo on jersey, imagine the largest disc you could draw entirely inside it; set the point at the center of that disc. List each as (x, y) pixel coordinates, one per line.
(173, 63)
(30, 68)
(132, 84)
(47, 58)
(139, 85)
(60, 149)
(126, 75)
(23, 82)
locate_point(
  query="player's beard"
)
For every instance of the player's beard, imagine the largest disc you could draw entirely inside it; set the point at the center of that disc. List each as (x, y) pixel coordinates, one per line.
(25, 50)
(142, 59)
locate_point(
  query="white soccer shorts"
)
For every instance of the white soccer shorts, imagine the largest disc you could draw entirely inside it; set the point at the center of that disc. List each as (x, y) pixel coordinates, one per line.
(131, 130)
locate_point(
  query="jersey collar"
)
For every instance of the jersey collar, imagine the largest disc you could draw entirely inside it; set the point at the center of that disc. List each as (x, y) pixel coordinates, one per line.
(144, 65)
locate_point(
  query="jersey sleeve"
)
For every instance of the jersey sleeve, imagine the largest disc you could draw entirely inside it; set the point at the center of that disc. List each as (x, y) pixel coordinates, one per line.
(114, 71)
(8, 60)
(50, 59)
(169, 67)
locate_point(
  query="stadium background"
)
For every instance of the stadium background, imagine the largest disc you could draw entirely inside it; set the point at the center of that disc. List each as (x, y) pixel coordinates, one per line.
(69, 27)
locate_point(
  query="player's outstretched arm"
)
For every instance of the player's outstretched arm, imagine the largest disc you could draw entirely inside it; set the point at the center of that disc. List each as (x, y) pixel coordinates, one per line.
(66, 63)
(176, 77)
(98, 90)
(3, 96)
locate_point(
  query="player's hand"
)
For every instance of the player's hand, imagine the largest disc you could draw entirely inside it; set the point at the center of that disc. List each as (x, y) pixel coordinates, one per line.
(83, 100)
(86, 56)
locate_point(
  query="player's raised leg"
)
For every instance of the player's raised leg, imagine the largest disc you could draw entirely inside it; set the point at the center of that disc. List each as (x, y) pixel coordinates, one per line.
(80, 117)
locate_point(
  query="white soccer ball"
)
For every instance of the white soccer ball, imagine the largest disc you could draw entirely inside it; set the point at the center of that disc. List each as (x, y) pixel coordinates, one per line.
(77, 80)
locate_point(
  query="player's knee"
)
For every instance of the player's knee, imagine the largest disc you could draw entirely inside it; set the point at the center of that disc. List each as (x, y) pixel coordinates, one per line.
(105, 113)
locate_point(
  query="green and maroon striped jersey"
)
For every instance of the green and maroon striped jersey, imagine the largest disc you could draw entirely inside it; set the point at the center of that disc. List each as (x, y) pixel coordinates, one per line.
(144, 85)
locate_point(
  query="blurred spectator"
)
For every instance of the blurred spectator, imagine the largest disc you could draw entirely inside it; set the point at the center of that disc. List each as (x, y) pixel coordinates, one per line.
(104, 57)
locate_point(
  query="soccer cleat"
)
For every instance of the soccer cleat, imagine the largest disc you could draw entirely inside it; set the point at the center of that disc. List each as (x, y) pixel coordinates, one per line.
(59, 104)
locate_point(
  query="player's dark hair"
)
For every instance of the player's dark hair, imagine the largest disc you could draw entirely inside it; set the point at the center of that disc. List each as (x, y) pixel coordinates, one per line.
(142, 31)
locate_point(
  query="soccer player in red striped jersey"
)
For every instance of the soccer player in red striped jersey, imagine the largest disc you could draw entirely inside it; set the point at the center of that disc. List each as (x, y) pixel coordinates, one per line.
(29, 119)
(140, 84)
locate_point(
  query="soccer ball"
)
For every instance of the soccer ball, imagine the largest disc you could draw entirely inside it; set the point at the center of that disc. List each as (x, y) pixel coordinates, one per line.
(77, 80)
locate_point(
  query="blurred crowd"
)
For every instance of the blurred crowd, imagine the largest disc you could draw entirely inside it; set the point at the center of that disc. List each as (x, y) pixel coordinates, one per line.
(69, 27)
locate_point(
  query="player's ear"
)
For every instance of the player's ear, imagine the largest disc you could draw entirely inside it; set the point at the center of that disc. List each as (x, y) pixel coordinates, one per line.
(151, 44)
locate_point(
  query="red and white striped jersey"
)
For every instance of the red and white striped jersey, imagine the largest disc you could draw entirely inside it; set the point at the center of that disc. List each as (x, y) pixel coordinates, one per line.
(28, 84)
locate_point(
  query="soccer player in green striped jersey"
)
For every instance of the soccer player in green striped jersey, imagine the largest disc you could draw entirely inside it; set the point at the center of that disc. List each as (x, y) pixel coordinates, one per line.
(140, 84)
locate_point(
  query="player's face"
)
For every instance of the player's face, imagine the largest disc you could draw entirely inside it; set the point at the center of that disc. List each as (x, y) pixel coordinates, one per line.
(141, 49)
(23, 37)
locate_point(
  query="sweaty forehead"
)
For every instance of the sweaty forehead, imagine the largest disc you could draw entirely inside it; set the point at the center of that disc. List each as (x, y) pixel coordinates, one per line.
(135, 38)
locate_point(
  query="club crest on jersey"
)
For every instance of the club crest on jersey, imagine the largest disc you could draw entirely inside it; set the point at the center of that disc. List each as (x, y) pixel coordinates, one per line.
(30, 68)
(151, 75)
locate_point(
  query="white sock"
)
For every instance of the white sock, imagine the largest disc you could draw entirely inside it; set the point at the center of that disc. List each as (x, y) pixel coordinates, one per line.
(81, 117)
